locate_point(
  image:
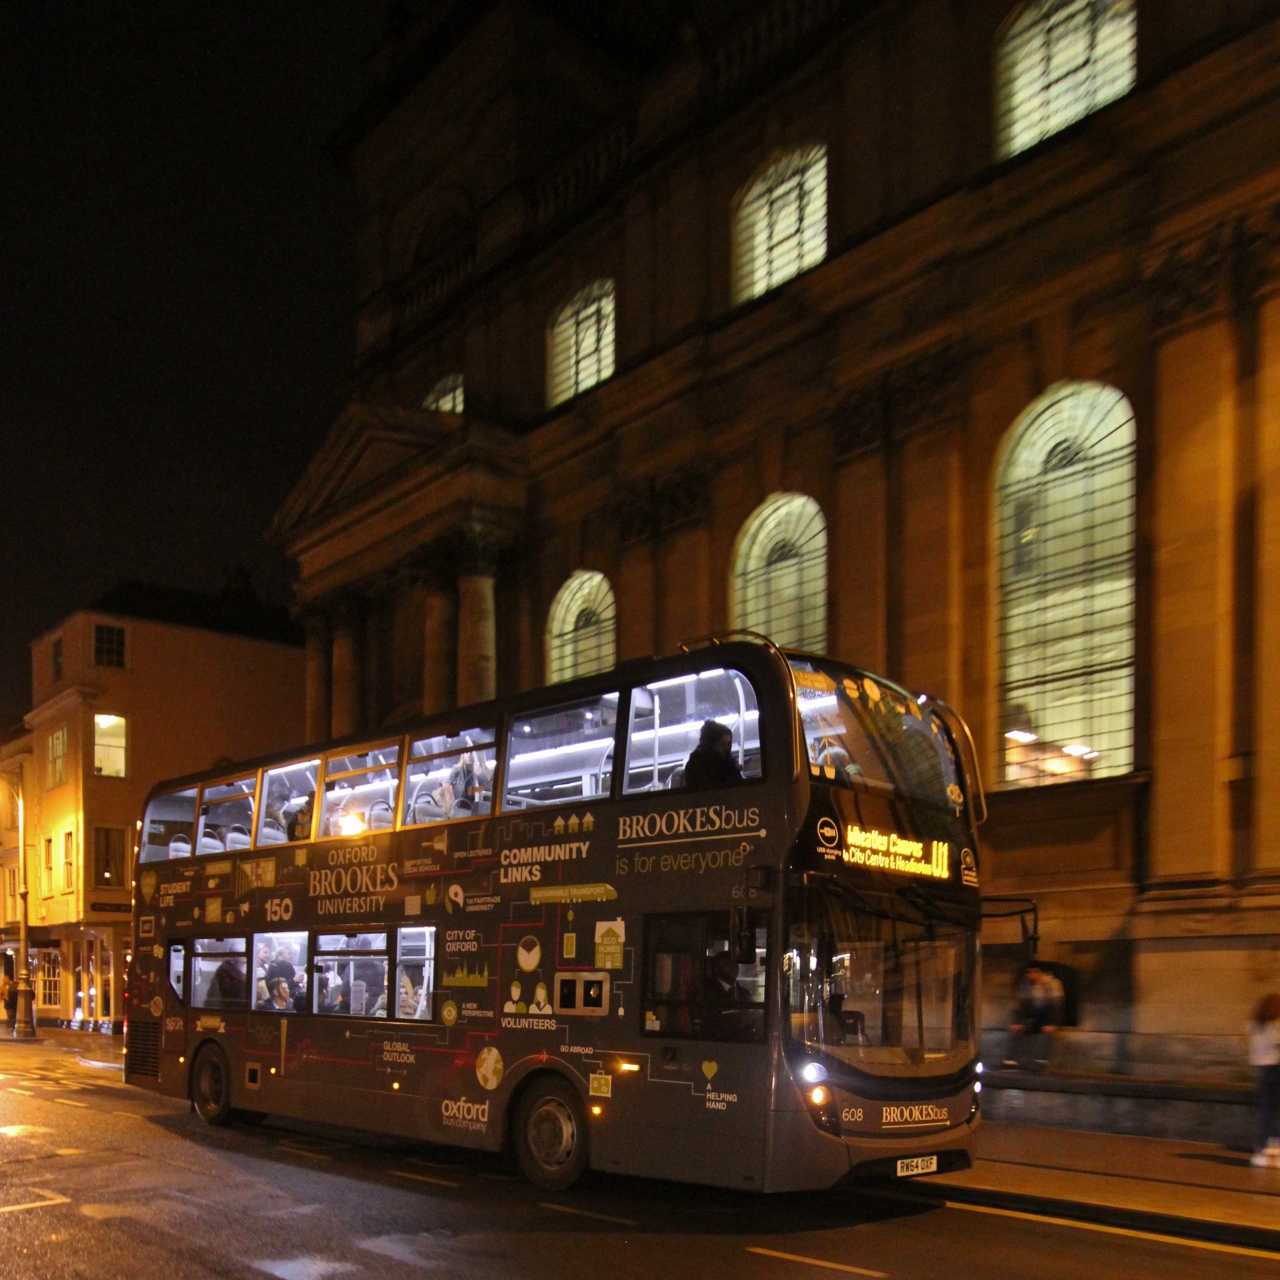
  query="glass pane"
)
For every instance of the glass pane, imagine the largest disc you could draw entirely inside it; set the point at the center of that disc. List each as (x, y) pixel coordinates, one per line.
(226, 816)
(356, 987)
(415, 973)
(446, 742)
(218, 974)
(166, 830)
(289, 794)
(351, 942)
(562, 754)
(280, 972)
(177, 965)
(359, 802)
(694, 731)
(458, 785)
(358, 761)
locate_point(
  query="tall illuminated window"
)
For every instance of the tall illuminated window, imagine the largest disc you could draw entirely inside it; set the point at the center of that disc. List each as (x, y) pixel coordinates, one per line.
(1065, 503)
(446, 396)
(1059, 60)
(109, 746)
(580, 343)
(780, 222)
(780, 573)
(581, 628)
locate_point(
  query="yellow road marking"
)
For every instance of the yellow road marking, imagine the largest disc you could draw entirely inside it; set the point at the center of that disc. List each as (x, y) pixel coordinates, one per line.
(818, 1262)
(586, 1213)
(26, 1093)
(52, 1197)
(1212, 1245)
(421, 1177)
(302, 1151)
(67, 1102)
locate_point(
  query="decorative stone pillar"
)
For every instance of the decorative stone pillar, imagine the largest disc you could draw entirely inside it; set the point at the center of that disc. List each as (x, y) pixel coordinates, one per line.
(438, 618)
(317, 676)
(346, 669)
(477, 639)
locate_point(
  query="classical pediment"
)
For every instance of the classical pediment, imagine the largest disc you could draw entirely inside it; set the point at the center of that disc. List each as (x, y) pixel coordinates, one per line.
(369, 447)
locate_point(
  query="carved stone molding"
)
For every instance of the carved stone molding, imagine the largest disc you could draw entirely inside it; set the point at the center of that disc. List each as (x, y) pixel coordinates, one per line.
(1193, 278)
(661, 503)
(902, 401)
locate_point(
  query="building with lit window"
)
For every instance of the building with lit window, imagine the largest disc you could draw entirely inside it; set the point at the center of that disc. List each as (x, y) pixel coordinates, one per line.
(942, 338)
(147, 683)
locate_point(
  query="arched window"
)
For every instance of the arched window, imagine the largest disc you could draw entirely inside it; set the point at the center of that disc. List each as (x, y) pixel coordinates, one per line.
(581, 628)
(580, 343)
(446, 395)
(1065, 502)
(1057, 61)
(780, 573)
(780, 223)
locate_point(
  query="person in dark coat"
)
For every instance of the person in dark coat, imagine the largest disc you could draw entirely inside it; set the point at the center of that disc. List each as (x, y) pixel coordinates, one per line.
(711, 763)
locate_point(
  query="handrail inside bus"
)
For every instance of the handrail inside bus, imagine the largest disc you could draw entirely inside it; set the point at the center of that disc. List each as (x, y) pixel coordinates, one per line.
(741, 633)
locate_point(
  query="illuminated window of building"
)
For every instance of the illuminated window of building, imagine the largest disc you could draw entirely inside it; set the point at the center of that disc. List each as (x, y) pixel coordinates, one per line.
(68, 861)
(780, 573)
(1065, 500)
(446, 395)
(1058, 61)
(56, 758)
(48, 864)
(109, 746)
(581, 628)
(55, 658)
(580, 343)
(108, 858)
(108, 646)
(780, 223)
(50, 990)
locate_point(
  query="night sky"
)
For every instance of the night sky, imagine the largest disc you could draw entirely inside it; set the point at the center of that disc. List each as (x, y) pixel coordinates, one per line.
(176, 289)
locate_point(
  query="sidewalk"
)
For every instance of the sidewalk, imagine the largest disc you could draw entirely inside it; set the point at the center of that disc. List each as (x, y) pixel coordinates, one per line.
(1150, 1184)
(92, 1048)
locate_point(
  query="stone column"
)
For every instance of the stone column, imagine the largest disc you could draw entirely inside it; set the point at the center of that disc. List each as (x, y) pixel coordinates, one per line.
(477, 639)
(438, 617)
(318, 677)
(346, 670)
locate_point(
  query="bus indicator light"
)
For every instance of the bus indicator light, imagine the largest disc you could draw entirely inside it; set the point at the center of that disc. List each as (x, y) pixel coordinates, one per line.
(818, 1096)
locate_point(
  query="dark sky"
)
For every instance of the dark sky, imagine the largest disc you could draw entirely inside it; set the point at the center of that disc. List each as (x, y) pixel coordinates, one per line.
(175, 289)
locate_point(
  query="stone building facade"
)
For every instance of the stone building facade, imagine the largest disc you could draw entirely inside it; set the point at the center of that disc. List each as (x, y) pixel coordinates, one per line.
(1027, 376)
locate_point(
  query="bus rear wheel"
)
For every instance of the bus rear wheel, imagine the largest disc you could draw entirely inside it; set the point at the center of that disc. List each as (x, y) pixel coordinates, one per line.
(211, 1086)
(551, 1134)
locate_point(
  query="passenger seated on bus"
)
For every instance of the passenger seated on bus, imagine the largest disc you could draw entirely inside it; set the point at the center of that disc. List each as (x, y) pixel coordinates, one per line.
(300, 822)
(844, 1025)
(278, 998)
(459, 794)
(226, 987)
(726, 990)
(282, 967)
(711, 763)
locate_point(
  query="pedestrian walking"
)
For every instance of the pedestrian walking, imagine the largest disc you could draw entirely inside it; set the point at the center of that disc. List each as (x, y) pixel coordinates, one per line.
(1264, 1058)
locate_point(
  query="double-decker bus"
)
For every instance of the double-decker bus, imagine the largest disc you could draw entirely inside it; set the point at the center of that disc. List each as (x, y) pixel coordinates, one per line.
(710, 917)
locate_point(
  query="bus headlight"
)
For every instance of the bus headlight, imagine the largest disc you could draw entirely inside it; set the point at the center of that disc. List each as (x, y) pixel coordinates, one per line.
(814, 1072)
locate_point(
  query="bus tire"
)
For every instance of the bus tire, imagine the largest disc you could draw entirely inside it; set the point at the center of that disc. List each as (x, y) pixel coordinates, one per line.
(550, 1134)
(211, 1086)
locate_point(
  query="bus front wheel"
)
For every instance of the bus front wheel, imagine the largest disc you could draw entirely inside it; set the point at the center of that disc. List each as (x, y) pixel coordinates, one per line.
(551, 1134)
(211, 1086)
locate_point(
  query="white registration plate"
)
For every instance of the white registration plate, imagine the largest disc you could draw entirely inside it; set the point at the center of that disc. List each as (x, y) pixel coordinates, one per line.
(916, 1165)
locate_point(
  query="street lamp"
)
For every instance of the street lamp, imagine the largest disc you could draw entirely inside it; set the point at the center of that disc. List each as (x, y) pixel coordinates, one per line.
(22, 1027)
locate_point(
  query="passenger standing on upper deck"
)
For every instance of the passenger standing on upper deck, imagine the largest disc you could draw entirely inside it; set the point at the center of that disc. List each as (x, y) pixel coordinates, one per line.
(711, 763)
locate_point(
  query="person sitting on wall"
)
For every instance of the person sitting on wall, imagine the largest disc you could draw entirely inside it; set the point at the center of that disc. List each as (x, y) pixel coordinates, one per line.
(279, 1000)
(1040, 1004)
(711, 763)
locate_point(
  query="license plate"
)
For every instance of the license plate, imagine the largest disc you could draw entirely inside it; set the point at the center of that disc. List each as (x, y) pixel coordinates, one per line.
(916, 1165)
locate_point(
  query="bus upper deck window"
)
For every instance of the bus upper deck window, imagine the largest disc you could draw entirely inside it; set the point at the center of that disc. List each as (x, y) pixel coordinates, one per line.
(360, 790)
(450, 776)
(226, 815)
(673, 742)
(167, 828)
(561, 754)
(288, 802)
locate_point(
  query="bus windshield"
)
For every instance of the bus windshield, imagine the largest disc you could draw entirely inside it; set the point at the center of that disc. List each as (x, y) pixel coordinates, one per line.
(877, 983)
(861, 732)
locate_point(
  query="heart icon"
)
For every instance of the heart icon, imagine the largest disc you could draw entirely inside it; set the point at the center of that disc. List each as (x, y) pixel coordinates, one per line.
(709, 1069)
